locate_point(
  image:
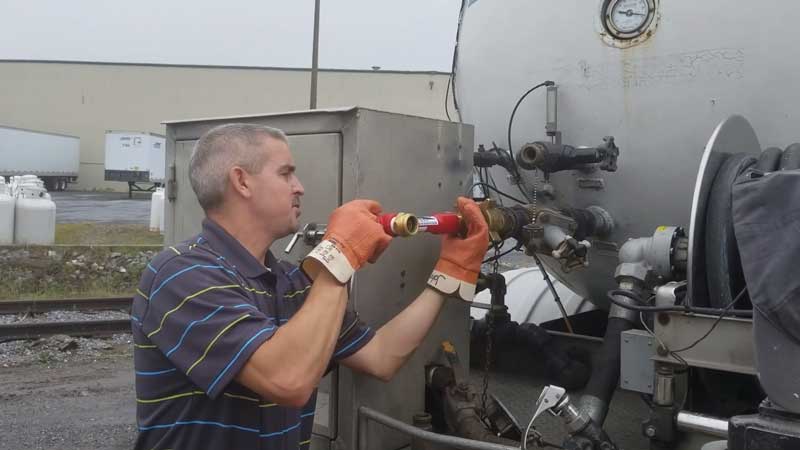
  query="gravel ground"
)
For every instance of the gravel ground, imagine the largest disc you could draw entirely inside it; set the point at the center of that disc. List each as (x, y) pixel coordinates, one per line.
(81, 399)
(60, 348)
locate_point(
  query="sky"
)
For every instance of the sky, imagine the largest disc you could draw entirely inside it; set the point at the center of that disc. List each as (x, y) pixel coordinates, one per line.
(354, 34)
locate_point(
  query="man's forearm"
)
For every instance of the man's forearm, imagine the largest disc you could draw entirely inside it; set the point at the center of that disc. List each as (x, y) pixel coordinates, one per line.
(295, 358)
(405, 332)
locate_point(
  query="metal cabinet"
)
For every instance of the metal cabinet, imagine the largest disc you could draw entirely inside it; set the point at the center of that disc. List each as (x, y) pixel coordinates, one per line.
(407, 163)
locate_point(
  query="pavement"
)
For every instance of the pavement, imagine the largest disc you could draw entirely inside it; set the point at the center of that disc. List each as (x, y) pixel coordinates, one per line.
(101, 207)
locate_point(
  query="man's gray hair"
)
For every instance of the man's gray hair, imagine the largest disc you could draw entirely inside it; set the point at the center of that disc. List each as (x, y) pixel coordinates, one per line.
(221, 148)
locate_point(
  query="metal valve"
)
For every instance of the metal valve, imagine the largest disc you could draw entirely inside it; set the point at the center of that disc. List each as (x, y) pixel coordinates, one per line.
(311, 233)
(584, 432)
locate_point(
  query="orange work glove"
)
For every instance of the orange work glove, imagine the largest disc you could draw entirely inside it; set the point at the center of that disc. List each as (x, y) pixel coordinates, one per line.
(353, 237)
(459, 263)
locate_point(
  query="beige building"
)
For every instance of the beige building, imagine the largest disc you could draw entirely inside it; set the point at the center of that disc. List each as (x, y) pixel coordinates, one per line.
(86, 99)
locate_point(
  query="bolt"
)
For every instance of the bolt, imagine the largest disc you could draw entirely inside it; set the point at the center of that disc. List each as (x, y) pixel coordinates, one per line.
(663, 319)
(650, 431)
(662, 351)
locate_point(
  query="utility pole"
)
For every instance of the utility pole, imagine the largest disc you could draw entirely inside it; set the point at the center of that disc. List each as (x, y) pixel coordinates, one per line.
(315, 57)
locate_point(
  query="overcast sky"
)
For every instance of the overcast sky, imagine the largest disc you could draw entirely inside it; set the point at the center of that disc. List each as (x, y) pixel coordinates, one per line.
(354, 34)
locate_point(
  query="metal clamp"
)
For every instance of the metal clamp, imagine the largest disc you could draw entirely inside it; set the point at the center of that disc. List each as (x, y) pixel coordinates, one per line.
(551, 399)
(311, 233)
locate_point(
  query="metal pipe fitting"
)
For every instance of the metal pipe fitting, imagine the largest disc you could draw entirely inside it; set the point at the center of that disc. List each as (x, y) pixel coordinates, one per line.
(664, 392)
(688, 421)
(400, 224)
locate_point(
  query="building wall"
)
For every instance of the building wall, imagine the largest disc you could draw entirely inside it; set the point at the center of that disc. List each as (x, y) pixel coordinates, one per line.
(86, 99)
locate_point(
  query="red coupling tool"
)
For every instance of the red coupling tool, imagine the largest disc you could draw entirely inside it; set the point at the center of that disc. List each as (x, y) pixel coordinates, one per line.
(405, 224)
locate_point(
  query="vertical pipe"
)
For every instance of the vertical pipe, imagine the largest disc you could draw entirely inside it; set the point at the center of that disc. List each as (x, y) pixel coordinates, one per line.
(315, 58)
(362, 428)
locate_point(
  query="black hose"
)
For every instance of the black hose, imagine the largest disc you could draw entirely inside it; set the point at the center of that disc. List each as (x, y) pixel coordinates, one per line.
(605, 377)
(769, 160)
(790, 160)
(560, 366)
(676, 308)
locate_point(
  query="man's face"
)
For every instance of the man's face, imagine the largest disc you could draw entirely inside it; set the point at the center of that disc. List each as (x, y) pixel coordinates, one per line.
(277, 190)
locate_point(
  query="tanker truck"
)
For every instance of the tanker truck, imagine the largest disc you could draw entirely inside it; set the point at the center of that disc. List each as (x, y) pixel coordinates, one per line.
(644, 141)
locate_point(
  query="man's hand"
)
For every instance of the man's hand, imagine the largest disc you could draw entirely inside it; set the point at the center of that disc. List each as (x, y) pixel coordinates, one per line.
(459, 263)
(354, 236)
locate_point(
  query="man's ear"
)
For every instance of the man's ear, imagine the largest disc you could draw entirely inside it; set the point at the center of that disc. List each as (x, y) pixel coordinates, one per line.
(240, 181)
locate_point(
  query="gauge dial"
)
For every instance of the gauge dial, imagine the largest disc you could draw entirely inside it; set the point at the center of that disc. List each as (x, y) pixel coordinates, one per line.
(626, 19)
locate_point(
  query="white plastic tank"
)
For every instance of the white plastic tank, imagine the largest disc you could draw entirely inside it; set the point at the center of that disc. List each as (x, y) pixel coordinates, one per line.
(26, 181)
(7, 203)
(35, 216)
(157, 210)
(530, 300)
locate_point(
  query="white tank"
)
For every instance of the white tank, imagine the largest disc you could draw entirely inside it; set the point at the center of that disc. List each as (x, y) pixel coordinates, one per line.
(7, 203)
(530, 300)
(35, 217)
(157, 210)
(27, 181)
(660, 94)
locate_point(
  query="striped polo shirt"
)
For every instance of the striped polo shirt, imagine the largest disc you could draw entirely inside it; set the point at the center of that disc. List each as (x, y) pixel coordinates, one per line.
(201, 309)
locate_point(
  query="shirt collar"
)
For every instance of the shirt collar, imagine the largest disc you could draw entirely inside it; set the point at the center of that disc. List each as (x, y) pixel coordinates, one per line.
(235, 253)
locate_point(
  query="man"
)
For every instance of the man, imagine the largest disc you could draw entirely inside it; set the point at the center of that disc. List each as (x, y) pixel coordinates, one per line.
(230, 343)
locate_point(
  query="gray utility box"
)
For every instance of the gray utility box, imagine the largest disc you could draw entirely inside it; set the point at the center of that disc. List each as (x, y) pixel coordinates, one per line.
(408, 164)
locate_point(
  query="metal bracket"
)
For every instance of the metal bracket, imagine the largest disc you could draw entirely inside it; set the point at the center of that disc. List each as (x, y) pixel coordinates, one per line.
(172, 184)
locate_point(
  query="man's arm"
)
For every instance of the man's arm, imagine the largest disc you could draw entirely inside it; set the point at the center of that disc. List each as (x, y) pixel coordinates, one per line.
(454, 275)
(396, 341)
(287, 368)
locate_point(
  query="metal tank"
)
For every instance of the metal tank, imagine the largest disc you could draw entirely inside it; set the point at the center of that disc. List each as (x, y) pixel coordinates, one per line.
(7, 203)
(656, 75)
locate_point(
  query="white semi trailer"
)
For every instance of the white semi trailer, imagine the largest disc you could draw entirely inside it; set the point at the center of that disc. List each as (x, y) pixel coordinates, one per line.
(53, 157)
(135, 157)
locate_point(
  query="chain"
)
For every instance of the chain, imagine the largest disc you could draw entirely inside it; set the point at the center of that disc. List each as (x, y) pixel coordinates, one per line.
(535, 193)
(487, 359)
(487, 363)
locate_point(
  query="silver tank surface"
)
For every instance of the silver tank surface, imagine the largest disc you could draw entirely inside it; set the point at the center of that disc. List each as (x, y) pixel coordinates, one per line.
(683, 67)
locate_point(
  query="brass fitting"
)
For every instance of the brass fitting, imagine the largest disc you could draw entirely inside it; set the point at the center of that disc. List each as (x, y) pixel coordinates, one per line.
(405, 224)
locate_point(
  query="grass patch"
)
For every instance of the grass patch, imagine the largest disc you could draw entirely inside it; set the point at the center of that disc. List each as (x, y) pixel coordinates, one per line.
(88, 260)
(106, 234)
(71, 271)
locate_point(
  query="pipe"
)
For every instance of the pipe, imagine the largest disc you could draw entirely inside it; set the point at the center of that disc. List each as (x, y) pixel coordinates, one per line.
(688, 421)
(605, 376)
(366, 414)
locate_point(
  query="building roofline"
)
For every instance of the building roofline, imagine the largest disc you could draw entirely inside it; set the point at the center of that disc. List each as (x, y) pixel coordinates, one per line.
(202, 66)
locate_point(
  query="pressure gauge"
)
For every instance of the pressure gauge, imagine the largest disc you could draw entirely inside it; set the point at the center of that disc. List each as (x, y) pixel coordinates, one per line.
(627, 19)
